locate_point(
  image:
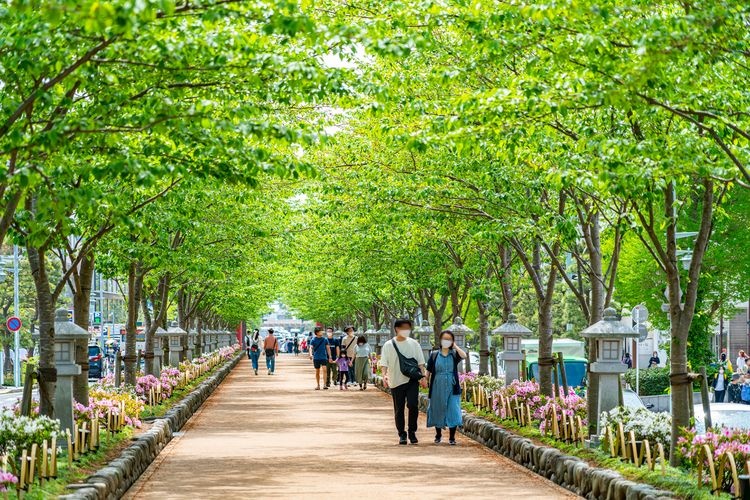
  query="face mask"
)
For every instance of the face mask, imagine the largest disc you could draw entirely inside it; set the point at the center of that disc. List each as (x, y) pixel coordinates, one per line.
(330, 335)
(404, 333)
(360, 345)
(446, 343)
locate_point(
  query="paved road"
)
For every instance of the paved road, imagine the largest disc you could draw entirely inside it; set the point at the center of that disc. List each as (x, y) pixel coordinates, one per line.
(275, 437)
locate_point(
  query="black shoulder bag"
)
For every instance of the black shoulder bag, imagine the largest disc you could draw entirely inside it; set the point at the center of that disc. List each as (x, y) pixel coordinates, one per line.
(409, 366)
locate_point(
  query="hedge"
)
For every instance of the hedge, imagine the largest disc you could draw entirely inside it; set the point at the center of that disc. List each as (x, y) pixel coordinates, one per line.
(653, 382)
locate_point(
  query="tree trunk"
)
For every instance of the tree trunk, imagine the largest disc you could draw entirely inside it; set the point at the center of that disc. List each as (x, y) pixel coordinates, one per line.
(46, 312)
(484, 338)
(506, 286)
(81, 306)
(8, 359)
(160, 303)
(135, 288)
(545, 347)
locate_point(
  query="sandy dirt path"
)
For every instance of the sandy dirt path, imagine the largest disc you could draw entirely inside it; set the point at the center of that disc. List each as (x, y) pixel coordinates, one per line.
(276, 437)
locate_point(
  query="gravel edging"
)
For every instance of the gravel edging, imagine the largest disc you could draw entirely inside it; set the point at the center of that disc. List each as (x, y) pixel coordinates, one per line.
(567, 471)
(113, 480)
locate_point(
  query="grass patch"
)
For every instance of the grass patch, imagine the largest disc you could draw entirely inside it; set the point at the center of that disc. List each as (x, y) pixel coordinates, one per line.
(678, 481)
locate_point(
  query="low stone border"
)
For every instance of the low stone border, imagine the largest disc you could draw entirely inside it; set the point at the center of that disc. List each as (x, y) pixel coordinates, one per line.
(112, 481)
(572, 473)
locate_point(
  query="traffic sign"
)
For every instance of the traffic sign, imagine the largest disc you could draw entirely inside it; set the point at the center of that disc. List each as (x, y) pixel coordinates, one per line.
(640, 314)
(97, 318)
(14, 324)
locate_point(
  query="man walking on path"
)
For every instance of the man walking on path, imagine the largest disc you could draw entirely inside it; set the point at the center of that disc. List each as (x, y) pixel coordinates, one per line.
(404, 389)
(333, 349)
(319, 354)
(271, 349)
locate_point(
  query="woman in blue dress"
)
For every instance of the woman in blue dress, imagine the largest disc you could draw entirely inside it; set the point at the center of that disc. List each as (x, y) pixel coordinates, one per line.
(444, 409)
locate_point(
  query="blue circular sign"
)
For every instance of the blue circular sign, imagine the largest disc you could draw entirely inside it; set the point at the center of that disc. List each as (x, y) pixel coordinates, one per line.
(13, 324)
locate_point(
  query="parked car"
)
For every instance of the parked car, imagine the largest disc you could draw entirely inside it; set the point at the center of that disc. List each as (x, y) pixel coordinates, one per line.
(733, 415)
(96, 361)
(575, 370)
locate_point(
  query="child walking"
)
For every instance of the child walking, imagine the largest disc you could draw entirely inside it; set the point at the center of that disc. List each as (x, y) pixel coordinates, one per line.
(343, 363)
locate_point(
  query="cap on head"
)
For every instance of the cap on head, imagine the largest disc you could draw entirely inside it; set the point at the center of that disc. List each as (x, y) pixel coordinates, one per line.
(270, 330)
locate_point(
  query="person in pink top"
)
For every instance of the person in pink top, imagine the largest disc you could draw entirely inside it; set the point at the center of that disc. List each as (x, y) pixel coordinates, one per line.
(343, 363)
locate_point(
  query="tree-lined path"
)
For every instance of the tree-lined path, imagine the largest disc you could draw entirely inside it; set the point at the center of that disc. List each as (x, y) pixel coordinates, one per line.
(275, 437)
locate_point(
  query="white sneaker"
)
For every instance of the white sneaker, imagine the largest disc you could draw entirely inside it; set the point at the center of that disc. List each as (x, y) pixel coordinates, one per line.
(269, 372)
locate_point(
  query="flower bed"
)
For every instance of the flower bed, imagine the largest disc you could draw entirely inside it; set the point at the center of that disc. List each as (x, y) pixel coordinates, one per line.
(718, 456)
(111, 408)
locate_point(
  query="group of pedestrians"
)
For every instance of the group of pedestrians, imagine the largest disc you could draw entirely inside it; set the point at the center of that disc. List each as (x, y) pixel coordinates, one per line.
(344, 362)
(732, 383)
(257, 346)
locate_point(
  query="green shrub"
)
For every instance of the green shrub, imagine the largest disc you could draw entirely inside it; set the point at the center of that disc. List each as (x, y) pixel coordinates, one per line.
(653, 382)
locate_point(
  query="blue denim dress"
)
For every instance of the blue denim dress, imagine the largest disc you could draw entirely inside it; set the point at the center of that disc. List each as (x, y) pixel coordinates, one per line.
(444, 409)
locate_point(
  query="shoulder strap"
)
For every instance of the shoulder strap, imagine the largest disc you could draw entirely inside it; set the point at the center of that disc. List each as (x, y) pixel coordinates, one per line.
(393, 342)
(350, 343)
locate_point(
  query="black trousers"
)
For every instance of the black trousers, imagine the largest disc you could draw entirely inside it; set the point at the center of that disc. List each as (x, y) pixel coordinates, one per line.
(406, 395)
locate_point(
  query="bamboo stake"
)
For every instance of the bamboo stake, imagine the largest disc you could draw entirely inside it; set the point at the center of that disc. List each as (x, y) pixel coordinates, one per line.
(611, 439)
(634, 449)
(621, 437)
(22, 477)
(32, 463)
(555, 426)
(53, 464)
(660, 447)
(647, 452)
(70, 448)
(43, 465)
(581, 430)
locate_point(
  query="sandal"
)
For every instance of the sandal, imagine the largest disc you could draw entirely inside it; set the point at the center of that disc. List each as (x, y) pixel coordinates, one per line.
(317, 388)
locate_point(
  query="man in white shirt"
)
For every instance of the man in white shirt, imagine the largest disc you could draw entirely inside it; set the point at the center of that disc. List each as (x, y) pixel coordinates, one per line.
(405, 391)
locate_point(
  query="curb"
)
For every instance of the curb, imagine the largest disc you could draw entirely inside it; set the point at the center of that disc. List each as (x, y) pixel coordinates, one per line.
(567, 471)
(114, 479)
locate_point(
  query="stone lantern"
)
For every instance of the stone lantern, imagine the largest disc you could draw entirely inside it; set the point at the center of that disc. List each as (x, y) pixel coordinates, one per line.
(383, 336)
(192, 336)
(226, 338)
(159, 337)
(460, 331)
(609, 336)
(175, 334)
(512, 333)
(66, 335)
(372, 336)
(425, 333)
(214, 340)
(205, 343)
